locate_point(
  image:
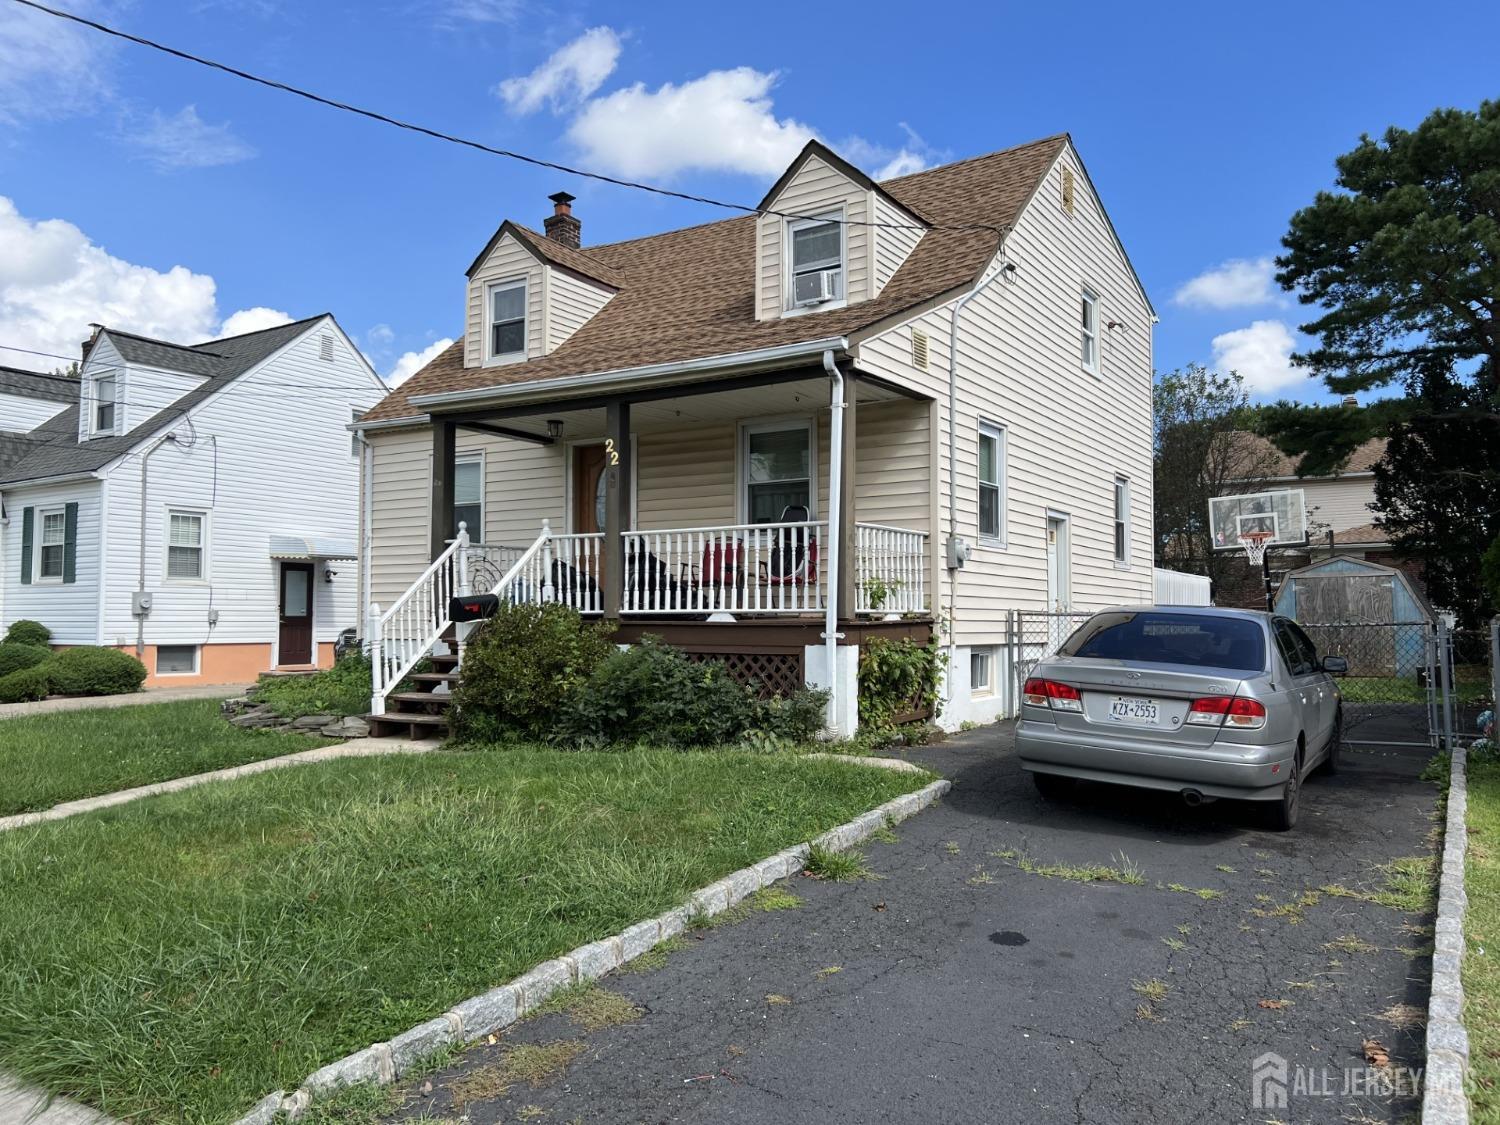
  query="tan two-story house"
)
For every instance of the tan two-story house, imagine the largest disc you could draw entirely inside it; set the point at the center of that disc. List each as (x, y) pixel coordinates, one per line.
(868, 409)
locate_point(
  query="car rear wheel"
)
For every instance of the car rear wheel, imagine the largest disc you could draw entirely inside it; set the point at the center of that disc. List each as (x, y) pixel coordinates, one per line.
(1335, 744)
(1283, 811)
(1052, 786)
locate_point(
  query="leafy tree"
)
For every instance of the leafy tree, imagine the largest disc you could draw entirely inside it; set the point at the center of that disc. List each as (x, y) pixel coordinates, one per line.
(1403, 262)
(1200, 421)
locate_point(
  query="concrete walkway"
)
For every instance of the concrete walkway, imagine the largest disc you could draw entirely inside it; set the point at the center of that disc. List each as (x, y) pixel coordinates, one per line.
(26, 1105)
(361, 748)
(134, 699)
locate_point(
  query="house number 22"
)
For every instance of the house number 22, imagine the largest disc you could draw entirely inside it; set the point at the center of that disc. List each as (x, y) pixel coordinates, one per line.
(610, 452)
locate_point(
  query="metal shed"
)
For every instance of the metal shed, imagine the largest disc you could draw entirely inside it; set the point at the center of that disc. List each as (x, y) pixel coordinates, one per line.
(1344, 591)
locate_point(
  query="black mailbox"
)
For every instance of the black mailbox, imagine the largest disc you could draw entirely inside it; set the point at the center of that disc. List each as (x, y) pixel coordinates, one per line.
(475, 607)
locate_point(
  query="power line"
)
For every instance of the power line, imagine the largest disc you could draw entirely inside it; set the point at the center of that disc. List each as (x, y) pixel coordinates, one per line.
(465, 142)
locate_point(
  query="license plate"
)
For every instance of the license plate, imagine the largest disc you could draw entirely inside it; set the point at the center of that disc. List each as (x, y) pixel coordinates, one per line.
(1125, 709)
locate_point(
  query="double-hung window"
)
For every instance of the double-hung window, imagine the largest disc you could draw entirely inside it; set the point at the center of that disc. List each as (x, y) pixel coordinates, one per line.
(778, 472)
(1089, 331)
(507, 312)
(468, 497)
(1122, 521)
(185, 544)
(104, 405)
(51, 558)
(991, 483)
(817, 257)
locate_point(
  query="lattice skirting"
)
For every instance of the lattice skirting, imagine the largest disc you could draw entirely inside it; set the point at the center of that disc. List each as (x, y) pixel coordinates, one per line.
(770, 673)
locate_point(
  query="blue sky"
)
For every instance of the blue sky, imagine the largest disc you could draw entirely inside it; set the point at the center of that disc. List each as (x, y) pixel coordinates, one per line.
(148, 193)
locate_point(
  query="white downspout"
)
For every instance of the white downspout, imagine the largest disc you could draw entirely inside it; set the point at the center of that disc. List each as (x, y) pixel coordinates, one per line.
(835, 487)
(1002, 265)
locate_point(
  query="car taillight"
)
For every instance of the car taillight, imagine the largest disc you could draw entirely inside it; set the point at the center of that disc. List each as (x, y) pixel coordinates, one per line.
(1229, 711)
(1050, 693)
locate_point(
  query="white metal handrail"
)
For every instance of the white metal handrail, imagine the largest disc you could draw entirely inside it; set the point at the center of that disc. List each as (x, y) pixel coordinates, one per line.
(405, 633)
(765, 568)
(890, 569)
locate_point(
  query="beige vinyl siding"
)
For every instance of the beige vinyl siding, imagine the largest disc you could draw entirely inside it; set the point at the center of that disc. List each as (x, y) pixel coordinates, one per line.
(1068, 432)
(508, 261)
(891, 453)
(686, 478)
(816, 189)
(892, 245)
(1338, 503)
(571, 301)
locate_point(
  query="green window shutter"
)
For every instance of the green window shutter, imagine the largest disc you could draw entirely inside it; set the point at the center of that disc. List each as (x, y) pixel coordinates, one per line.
(28, 519)
(70, 543)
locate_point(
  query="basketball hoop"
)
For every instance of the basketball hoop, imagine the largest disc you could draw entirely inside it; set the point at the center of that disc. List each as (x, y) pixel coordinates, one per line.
(1255, 544)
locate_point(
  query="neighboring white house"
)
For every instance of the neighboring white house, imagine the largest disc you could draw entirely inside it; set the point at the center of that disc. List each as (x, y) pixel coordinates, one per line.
(237, 454)
(739, 435)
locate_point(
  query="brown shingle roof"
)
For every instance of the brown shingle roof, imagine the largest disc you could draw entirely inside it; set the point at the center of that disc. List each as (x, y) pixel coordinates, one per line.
(690, 293)
(1278, 464)
(1364, 533)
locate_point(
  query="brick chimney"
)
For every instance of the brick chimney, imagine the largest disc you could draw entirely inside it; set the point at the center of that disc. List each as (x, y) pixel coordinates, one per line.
(88, 345)
(561, 226)
(1350, 400)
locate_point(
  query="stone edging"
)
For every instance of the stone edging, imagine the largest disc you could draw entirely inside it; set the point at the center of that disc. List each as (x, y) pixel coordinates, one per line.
(1444, 1101)
(471, 1020)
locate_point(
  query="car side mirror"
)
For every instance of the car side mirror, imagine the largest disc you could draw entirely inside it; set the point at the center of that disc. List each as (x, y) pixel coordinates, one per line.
(1336, 665)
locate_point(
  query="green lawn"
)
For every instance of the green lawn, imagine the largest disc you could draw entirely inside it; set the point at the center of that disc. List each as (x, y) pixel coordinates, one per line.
(48, 759)
(178, 958)
(1482, 937)
(1470, 688)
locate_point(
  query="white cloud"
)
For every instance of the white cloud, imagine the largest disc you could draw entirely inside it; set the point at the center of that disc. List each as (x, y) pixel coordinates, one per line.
(721, 122)
(412, 362)
(252, 320)
(185, 140)
(49, 68)
(1261, 354)
(381, 335)
(55, 281)
(572, 74)
(480, 11)
(1236, 284)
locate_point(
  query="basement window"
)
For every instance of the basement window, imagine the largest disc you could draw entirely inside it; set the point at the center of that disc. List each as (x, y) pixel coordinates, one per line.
(176, 660)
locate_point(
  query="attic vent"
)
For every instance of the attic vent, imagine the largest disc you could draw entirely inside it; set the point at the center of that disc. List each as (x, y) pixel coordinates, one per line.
(325, 349)
(919, 349)
(1067, 190)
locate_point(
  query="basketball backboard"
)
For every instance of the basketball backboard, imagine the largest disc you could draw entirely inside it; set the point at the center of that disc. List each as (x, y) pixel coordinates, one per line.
(1282, 512)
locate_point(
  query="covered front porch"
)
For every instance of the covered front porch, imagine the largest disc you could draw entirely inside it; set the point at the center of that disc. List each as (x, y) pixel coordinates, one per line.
(799, 496)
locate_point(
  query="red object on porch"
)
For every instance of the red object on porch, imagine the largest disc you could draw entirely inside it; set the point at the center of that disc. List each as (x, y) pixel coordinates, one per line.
(722, 562)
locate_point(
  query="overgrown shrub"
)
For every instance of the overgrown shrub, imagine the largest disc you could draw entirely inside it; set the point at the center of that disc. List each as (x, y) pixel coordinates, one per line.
(25, 632)
(25, 684)
(897, 676)
(14, 657)
(522, 666)
(653, 694)
(343, 689)
(94, 670)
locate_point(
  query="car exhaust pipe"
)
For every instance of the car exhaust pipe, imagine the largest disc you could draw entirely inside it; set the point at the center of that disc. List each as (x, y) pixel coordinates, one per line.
(1192, 798)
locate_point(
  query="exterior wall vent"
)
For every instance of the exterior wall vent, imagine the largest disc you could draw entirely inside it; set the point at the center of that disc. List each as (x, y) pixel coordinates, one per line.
(919, 349)
(1067, 190)
(325, 347)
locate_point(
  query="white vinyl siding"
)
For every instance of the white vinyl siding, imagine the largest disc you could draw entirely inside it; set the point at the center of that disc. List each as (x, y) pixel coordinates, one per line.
(571, 302)
(507, 262)
(69, 609)
(1339, 503)
(816, 189)
(19, 412)
(892, 243)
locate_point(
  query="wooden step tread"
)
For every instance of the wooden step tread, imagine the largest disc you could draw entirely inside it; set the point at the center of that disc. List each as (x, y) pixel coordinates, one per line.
(444, 698)
(435, 677)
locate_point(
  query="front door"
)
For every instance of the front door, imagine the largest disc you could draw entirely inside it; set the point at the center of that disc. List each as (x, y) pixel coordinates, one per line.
(1059, 596)
(296, 614)
(588, 489)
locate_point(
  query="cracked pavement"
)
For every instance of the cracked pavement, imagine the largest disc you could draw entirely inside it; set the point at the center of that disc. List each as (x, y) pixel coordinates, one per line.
(969, 990)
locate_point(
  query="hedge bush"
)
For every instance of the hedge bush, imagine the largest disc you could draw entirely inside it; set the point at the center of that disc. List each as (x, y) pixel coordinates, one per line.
(520, 668)
(653, 694)
(14, 657)
(25, 632)
(25, 684)
(343, 689)
(93, 670)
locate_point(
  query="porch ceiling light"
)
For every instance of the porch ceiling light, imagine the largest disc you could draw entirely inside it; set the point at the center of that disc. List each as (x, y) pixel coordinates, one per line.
(554, 428)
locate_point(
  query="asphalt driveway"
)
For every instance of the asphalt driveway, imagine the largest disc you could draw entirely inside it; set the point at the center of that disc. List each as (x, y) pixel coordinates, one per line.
(959, 987)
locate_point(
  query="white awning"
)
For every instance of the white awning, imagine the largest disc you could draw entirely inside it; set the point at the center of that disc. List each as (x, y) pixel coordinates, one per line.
(305, 547)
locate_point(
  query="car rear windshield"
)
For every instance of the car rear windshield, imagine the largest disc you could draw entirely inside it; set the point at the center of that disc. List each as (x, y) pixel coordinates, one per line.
(1198, 640)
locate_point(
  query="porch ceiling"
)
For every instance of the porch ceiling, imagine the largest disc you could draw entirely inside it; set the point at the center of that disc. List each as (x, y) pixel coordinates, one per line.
(667, 414)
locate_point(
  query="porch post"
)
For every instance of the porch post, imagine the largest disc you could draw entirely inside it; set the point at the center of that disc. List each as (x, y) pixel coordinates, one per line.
(847, 576)
(444, 454)
(616, 505)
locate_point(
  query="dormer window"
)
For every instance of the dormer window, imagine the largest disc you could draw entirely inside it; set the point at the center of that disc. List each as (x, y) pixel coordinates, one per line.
(817, 261)
(104, 405)
(507, 325)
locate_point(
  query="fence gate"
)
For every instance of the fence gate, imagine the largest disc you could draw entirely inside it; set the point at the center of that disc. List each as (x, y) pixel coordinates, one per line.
(1414, 683)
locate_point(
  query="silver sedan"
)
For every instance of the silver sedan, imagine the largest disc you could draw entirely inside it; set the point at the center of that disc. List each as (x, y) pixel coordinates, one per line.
(1206, 702)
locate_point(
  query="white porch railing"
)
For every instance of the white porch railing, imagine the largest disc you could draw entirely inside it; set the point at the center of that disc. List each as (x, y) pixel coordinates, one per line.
(406, 632)
(890, 569)
(764, 568)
